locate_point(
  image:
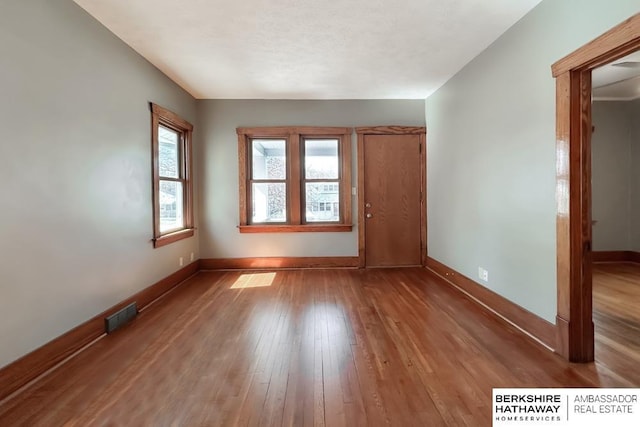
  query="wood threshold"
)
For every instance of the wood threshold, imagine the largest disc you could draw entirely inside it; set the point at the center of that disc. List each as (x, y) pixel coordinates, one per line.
(277, 262)
(530, 324)
(31, 366)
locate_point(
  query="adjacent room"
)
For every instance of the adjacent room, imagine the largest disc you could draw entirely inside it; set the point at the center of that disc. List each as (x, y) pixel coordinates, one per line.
(615, 156)
(312, 213)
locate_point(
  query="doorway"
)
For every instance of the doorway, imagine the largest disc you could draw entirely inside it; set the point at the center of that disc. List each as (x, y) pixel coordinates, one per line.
(575, 329)
(391, 202)
(615, 209)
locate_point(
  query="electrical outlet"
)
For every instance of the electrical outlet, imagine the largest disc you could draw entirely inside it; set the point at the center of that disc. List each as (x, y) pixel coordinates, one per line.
(181, 261)
(192, 257)
(483, 274)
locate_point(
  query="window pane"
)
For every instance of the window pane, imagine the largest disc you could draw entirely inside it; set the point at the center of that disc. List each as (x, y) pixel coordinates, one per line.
(269, 159)
(169, 155)
(323, 202)
(171, 206)
(321, 159)
(269, 202)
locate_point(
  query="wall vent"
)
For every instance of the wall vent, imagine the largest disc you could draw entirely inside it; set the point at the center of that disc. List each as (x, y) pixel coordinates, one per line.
(120, 317)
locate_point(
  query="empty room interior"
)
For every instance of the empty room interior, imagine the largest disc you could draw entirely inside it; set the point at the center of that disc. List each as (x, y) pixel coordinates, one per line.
(315, 213)
(616, 232)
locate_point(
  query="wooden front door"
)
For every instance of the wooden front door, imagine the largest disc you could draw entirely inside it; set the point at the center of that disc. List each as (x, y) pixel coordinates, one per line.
(392, 207)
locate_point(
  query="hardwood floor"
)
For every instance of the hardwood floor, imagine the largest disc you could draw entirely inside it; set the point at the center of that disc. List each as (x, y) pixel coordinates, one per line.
(308, 347)
(616, 317)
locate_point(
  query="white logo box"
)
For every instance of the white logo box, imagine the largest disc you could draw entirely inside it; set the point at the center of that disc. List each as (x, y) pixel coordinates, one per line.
(566, 407)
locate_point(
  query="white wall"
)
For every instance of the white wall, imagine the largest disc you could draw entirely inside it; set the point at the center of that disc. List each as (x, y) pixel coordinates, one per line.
(634, 112)
(611, 175)
(491, 153)
(75, 172)
(218, 163)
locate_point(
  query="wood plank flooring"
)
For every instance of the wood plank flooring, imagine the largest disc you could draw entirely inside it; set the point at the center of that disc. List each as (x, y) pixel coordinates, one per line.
(301, 348)
(616, 317)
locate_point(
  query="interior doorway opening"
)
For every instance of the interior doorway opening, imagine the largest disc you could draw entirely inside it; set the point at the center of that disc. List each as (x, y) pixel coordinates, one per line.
(574, 320)
(615, 210)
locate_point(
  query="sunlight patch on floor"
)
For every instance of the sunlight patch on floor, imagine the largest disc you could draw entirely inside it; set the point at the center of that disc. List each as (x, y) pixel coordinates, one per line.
(253, 280)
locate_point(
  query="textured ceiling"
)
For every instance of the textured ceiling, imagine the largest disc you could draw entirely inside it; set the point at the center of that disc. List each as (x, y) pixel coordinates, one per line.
(618, 81)
(309, 49)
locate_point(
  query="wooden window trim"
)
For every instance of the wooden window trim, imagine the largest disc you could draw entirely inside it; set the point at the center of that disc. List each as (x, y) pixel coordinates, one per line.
(162, 117)
(300, 228)
(174, 236)
(295, 136)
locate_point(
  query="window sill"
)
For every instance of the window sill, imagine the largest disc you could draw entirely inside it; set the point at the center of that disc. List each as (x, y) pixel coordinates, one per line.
(172, 237)
(306, 228)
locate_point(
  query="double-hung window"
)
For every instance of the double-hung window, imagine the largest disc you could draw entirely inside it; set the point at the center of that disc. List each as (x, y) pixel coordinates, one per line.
(172, 181)
(295, 179)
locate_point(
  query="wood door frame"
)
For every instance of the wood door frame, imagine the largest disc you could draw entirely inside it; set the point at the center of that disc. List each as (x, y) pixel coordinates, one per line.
(392, 130)
(574, 323)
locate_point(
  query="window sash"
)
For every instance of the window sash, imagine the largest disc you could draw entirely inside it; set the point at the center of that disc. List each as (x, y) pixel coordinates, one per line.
(253, 201)
(251, 181)
(179, 217)
(305, 203)
(325, 181)
(181, 169)
(180, 134)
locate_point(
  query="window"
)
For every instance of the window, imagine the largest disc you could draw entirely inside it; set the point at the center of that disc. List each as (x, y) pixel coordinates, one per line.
(172, 186)
(294, 179)
(268, 180)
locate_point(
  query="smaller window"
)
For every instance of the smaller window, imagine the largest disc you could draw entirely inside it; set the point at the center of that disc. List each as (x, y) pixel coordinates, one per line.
(172, 186)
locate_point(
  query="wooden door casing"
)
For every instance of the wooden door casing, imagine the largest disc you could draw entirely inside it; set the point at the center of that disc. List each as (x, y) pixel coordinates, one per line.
(392, 185)
(575, 330)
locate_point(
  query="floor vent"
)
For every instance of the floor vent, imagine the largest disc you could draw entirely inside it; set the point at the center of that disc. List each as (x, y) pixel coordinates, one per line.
(120, 317)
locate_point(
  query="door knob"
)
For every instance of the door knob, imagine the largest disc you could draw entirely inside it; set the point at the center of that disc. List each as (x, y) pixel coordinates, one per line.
(369, 215)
